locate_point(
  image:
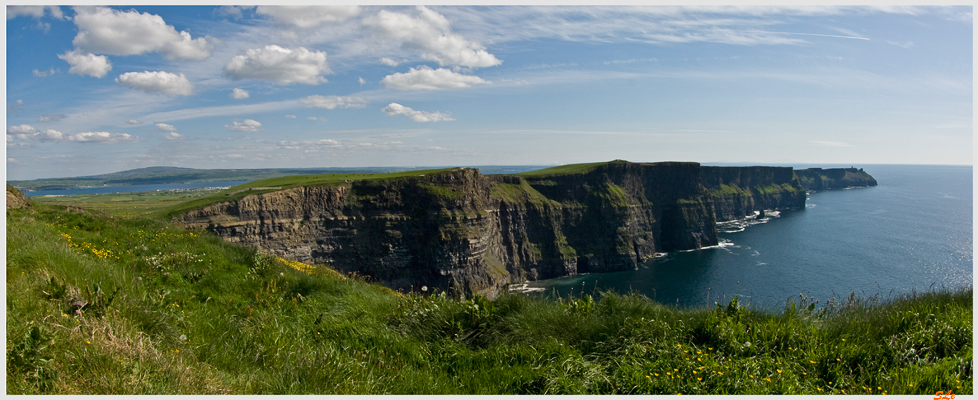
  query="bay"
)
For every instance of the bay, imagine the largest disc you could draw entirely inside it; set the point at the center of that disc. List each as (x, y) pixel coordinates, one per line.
(912, 233)
(133, 188)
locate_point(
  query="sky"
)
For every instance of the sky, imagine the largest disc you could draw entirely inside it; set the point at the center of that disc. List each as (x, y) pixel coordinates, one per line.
(93, 89)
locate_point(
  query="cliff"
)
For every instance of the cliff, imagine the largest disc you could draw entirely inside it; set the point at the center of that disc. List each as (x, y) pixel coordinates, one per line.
(817, 179)
(461, 230)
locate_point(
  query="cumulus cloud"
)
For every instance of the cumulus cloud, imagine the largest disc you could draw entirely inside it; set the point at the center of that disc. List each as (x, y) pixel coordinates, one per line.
(290, 116)
(83, 63)
(426, 78)
(134, 122)
(393, 109)
(106, 31)
(239, 94)
(101, 137)
(430, 32)
(308, 16)
(157, 82)
(361, 80)
(248, 125)
(51, 117)
(172, 136)
(389, 62)
(34, 11)
(331, 102)
(41, 74)
(29, 133)
(165, 127)
(280, 65)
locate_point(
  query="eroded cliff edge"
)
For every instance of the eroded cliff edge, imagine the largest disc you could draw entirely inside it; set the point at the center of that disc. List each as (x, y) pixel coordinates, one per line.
(464, 231)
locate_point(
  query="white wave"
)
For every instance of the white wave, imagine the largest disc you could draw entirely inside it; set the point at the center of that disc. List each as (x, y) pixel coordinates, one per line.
(525, 288)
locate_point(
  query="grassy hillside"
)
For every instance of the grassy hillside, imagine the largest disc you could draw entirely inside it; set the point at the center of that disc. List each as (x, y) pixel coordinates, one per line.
(99, 305)
(287, 182)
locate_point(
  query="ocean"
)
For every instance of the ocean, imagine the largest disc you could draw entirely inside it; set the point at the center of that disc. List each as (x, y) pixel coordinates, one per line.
(911, 233)
(133, 188)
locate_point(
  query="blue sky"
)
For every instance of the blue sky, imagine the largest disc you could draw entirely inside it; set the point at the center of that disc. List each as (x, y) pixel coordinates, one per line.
(94, 90)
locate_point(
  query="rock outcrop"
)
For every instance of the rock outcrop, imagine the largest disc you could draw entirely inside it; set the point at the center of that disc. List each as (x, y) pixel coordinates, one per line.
(817, 179)
(464, 231)
(16, 199)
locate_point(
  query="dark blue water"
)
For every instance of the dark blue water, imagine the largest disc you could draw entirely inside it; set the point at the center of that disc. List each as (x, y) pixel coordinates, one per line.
(913, 232)
(134, 188)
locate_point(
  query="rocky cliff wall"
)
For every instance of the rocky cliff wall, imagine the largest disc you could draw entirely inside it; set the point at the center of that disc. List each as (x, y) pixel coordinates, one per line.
(460, 230)
(817, 179)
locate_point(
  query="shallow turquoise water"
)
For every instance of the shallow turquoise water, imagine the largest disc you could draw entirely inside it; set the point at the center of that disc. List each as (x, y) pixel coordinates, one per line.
(913, 232)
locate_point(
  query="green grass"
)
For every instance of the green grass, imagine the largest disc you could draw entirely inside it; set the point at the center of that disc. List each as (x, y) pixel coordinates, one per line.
(170, 311)
(128, 204)
(287, 182)
(563, 170)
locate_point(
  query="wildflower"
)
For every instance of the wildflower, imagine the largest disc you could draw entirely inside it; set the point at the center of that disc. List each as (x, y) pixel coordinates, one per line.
(779, 371)
(674, 369)
(668, 373)
(767, 379)
(648, 377)
(819, 389)
(699, 352)
(813, 362)
(699, 379)
(424, 288)
(751, 376)
(679, 345)
(838, 360)
(843, 340)
(712, 348)
(656, 375)
(698, 359)
(694, 372)
(183, 338)
(87, 342)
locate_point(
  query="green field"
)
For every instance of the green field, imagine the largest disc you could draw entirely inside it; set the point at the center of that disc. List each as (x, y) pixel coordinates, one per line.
(103, 303)
(128, 204)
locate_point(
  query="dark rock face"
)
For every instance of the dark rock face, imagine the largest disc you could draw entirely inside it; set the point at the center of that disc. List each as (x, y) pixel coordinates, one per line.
(461, 230)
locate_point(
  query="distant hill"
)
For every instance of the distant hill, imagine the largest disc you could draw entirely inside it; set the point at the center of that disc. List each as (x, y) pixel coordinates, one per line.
(166, 175)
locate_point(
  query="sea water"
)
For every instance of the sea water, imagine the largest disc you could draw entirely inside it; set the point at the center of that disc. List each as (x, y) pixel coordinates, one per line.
(134, 188)
(912, 233)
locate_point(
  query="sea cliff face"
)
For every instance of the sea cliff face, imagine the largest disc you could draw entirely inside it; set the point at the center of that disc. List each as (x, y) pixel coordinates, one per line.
(464, 231)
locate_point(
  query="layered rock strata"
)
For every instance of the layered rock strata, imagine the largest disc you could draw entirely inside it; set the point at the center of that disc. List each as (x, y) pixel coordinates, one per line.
(464, 231)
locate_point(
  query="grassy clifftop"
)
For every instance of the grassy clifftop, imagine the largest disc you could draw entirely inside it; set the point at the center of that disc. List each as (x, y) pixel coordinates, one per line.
(99, 305)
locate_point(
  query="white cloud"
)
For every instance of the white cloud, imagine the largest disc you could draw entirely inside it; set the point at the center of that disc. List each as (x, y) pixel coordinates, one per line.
(248, 125)
(308, 16)
(172, 136)
(123, 33)
(101, 137)
(86, 63)
(293, 145)
(417, 116)
(34, 11)
(361, 80)
(134, 122)
(425, 78)
(323, 119)
(27, 132)
(280, 65)
(41, 74)
(165, 127)
(331, 102)
(390, 62)
(290, 116)
(430, 32)
(239, 94)
(157, 81)
(51, 117)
